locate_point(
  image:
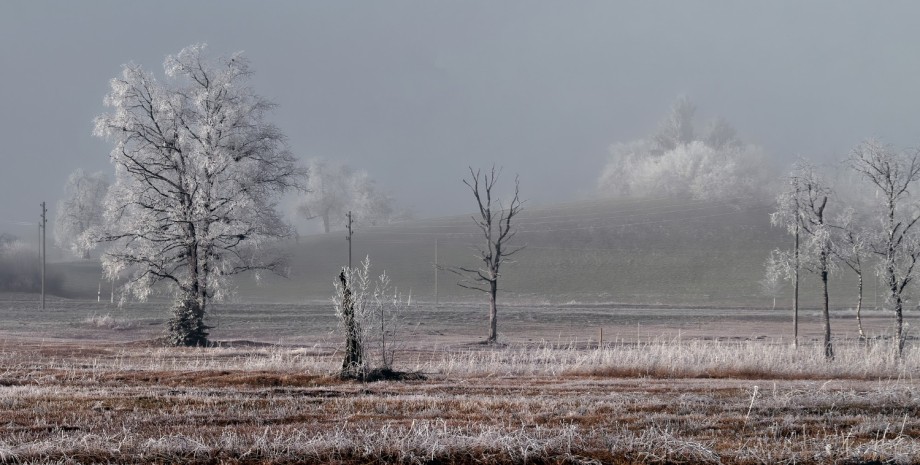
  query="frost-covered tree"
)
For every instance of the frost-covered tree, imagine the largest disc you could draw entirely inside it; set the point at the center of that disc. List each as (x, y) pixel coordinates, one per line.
(494, 220)
(334, 189)
(370, 205)
(326, 195)
(851, 248)
(197, 173)
(679, 162)
(677, 127)
(895, 236)
(783, 265)
(776, 273)
(801, 209)
(80, 210)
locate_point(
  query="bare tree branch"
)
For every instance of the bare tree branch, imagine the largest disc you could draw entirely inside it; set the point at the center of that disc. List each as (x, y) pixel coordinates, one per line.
(497, 229)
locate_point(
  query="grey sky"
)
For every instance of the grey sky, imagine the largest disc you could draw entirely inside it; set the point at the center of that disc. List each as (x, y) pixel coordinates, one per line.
(414, 92)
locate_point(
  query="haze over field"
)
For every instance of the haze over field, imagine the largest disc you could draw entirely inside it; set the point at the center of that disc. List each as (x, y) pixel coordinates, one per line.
(414, 92)
(460, 232)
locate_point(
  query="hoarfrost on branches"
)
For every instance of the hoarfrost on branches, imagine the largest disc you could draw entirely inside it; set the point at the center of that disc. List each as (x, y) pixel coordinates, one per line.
(80, 211)
(678, 162)
(801, 210)
(197, 173)
(894, 237)
(333, 189)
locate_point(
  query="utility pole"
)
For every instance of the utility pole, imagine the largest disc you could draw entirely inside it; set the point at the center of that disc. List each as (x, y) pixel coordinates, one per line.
(44, 250)
(437, 300)
(348, 238)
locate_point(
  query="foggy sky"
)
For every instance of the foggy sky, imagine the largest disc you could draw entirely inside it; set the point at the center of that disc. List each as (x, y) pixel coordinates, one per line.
(414, 92)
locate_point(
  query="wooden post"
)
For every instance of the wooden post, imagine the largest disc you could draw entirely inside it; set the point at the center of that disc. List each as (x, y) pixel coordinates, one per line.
(44, 249)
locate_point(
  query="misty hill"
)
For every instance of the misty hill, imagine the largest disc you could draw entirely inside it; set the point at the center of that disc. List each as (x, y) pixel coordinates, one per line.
(636, 251)
(632, 251)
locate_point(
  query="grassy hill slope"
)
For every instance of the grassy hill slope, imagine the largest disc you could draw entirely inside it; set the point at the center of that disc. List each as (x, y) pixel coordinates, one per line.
(635, 251)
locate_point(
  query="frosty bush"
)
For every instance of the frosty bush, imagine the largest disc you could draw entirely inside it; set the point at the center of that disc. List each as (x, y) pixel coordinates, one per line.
(370, 315)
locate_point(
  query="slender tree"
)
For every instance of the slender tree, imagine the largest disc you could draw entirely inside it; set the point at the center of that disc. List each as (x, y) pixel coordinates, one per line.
(80, 210)
(198, 170)
(802, 210)
(776, 272)
(495, 221)
(787, 262)
(850, 249)
(895, 240)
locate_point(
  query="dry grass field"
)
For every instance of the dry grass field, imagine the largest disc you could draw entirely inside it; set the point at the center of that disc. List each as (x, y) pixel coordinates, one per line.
(84, 382)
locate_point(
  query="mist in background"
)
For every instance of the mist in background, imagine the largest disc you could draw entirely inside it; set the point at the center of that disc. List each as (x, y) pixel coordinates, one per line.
(414, 92)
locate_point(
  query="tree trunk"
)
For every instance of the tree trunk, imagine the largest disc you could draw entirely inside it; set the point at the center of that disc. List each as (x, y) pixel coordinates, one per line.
(892, 279)
(186, 327)
(859, 300)
(898, 304)
(353, 365)
(795, 294)
(899, 319)
(493, 312)
(326, 222)
(828, 345)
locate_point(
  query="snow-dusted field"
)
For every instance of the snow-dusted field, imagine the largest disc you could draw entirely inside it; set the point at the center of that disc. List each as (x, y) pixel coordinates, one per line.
(666, 402)
(84, 382)
(449, 325)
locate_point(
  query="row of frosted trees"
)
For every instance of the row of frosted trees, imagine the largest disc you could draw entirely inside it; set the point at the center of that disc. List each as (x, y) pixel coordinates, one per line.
(833, 229)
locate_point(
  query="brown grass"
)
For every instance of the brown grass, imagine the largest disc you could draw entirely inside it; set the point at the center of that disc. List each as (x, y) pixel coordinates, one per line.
(69, 403)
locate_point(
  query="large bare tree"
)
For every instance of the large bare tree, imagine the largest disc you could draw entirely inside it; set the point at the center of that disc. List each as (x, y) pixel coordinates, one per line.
(495, 221)
(895, 240)
(198, 171)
